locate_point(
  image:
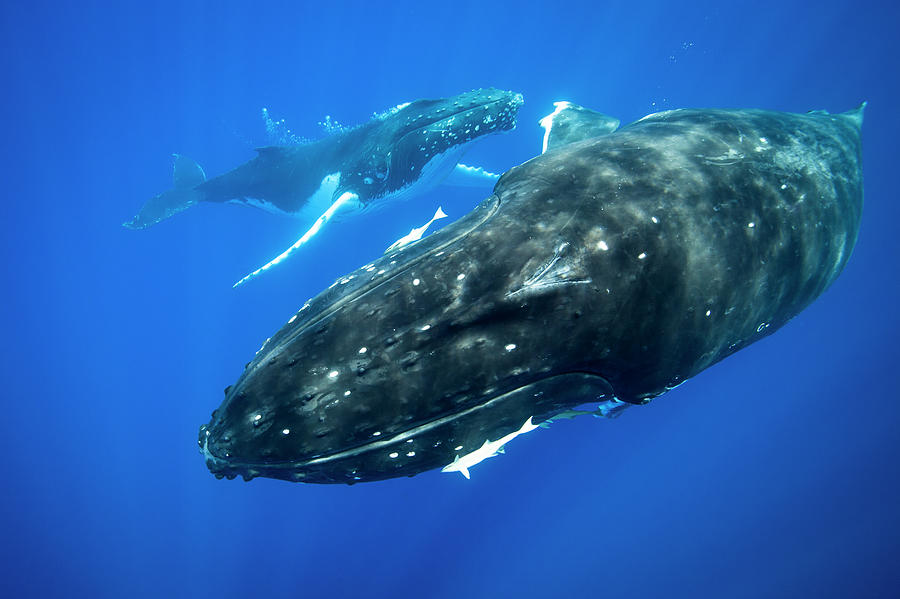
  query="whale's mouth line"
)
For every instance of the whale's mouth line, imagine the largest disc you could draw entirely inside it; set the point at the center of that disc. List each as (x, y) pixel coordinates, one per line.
(240, 466)
(359, 449)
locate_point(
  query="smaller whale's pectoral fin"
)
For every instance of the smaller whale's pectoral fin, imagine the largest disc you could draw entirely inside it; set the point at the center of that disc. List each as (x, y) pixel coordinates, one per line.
(569, 123)
(186, 176)
(463, 175)
(342, 201)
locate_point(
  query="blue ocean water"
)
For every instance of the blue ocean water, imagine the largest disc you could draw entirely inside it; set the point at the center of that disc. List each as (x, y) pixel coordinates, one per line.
(772, 474)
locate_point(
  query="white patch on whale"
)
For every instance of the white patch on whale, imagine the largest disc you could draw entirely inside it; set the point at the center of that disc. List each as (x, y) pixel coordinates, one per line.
(471, 176)
(312, 207)
(547, 122)
(416, 233)
(488, 450)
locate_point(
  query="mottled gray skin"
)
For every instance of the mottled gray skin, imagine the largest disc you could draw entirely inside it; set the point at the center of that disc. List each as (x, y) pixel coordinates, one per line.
(618, 266)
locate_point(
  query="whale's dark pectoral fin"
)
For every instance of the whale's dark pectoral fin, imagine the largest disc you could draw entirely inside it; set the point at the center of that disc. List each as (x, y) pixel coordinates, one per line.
(186, 176)
(856, 115)
(569, 123)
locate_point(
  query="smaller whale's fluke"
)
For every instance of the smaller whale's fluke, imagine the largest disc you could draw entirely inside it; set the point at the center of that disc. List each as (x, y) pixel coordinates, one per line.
(186, 175)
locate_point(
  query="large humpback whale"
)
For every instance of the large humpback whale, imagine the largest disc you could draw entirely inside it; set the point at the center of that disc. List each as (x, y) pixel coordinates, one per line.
(398, 154)
(606, 271)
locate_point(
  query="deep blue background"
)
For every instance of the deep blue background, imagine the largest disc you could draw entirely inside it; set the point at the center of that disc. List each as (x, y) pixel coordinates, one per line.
(772, 474)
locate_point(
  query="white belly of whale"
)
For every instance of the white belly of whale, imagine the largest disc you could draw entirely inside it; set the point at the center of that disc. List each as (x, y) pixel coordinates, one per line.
(314, 206)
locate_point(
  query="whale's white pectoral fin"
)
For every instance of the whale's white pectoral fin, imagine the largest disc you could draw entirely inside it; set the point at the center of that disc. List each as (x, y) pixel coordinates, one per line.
(457, 466)
(471, 176)
(488, 450)
(416, 234)
(343, 200)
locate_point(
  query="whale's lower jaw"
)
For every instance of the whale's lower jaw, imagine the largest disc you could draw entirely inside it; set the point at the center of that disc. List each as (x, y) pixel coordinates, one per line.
(432, 444)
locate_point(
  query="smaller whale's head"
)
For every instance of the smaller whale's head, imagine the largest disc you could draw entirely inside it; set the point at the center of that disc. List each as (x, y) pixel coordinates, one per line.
(460, 118)
(416, 145)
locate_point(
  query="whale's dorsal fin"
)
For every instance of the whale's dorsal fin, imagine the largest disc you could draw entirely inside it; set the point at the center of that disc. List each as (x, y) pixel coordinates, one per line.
(186, 173)
(271, 151)
(855, 116)
(569, 123)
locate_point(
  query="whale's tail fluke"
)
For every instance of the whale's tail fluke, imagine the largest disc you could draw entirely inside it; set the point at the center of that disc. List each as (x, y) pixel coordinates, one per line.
(186, 176)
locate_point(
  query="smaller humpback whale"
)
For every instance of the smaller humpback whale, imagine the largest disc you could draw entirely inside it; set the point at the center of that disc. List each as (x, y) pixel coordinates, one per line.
(603, 273)
(396, 155)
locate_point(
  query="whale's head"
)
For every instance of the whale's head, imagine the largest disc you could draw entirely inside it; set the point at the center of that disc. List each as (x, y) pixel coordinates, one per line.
(446, 122)
(405, 365)
(414, 146)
